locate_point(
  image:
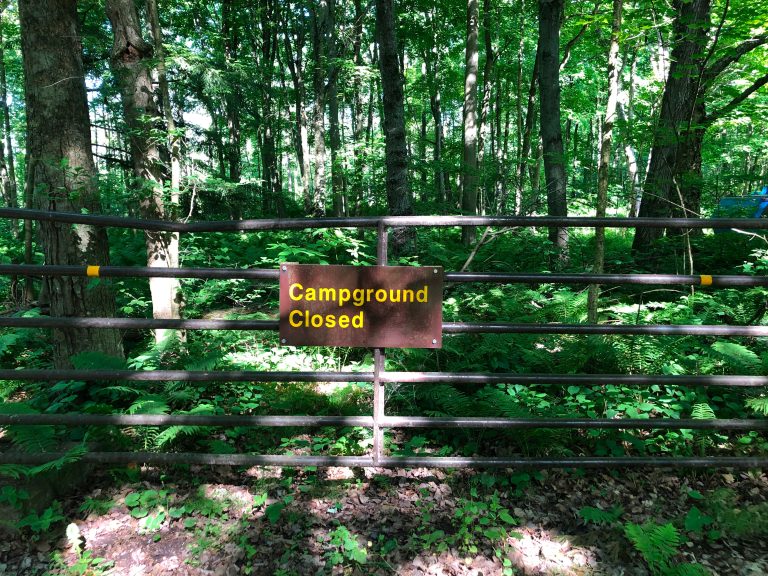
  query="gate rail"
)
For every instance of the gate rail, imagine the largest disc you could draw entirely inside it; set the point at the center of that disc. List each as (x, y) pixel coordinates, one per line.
(379, 421)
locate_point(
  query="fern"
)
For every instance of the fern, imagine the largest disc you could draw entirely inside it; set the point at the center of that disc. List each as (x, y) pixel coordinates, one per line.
(15, 471)
(172, 433)
(657, 544)
(759, 405)
(598, 516)
(702, 411)
(152, 404)
(71, 456)
(28, 438)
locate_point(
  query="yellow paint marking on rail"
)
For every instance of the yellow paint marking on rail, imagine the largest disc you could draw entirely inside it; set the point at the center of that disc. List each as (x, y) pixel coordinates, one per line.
(92, 271)
(706, 280)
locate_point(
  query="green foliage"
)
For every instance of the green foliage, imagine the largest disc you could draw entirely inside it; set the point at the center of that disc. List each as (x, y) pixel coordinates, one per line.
(343, 547)
(659, 544)
(592, 515)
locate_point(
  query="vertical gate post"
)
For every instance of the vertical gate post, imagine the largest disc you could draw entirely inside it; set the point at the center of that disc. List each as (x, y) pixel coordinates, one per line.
(378, 359)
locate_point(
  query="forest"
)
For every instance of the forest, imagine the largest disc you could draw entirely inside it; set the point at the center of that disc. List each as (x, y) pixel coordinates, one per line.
(596, 399)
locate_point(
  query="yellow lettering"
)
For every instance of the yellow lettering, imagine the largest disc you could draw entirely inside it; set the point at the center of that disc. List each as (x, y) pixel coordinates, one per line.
(310, 295)
(296, 286)
(421, 295)
(407, 295)
(330, 321)
(394, 295)
(298, 323)
(369, 294)
(316, 321)
(343, 296)
(358, 296)
(327, 294)
(343, 321)
(357, 320)
(381, 295)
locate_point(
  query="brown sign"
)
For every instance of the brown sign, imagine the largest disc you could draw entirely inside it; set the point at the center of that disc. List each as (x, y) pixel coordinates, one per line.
(364, 306)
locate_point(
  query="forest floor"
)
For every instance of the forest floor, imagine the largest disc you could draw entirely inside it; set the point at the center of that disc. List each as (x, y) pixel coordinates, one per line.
(226, 522)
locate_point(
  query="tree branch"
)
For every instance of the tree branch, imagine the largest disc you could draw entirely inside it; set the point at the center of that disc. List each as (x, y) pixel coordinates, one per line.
(573, 41)
(734, 55)
(728, 108)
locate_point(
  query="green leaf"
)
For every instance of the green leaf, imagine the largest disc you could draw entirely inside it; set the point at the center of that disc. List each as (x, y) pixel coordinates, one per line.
(273, 512)
(695, 520)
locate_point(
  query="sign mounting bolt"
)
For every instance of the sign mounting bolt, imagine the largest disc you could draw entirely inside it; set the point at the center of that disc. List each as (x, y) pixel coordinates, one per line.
(285, 268)
(434, 340)
(435, 270)
(283, 340)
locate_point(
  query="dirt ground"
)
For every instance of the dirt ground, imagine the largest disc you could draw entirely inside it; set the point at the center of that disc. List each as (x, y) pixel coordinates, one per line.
(225, 522)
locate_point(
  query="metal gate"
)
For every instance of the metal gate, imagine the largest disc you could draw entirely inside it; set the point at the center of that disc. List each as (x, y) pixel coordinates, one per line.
(378, 421)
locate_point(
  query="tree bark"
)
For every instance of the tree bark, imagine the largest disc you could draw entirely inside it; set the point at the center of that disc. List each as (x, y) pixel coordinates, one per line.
(614, 69)
(61, 171)
(680, 100)
(231, 35)
(295, 56)
(337, 172)
(469, 160)
(8, 168)
(131, 58)
(550, 14)
(399, 199)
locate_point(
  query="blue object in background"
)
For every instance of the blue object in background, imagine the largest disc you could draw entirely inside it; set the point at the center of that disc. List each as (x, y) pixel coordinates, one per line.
(752, 206)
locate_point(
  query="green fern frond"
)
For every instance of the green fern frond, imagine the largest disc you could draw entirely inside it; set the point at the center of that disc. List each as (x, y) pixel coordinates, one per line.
(28, 438)
(149, 405)
(759, 405)
(447, 399)
(687, 570)
(172, 433)
(702, 411)
(71, 456)
(15, 471)
(658, 544)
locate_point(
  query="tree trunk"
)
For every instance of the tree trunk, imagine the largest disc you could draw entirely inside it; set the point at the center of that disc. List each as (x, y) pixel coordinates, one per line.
(319, 43)
(484, 134)
(525, 147)
(398, 192)
(165, 99)
(358, 125)
(681, 94)
(294, 56)
(469, 160)
(614, 69)
(61, 171)
(231, 36)
(131, 57)
(550, 14)
(8, 169)
(432, 62)
(337, 172)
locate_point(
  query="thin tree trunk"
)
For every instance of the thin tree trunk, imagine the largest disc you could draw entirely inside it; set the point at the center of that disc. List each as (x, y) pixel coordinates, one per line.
(8, 168)
(469, 160)
(432, 61)
(231, 35)
(614, 69)
(131, 58)
(358, 126)
(484, 129)
(337, 171)
(550, 14)
(525, 147)
(294, 57)
(319, 43)
(399, 199)
(62, 175)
